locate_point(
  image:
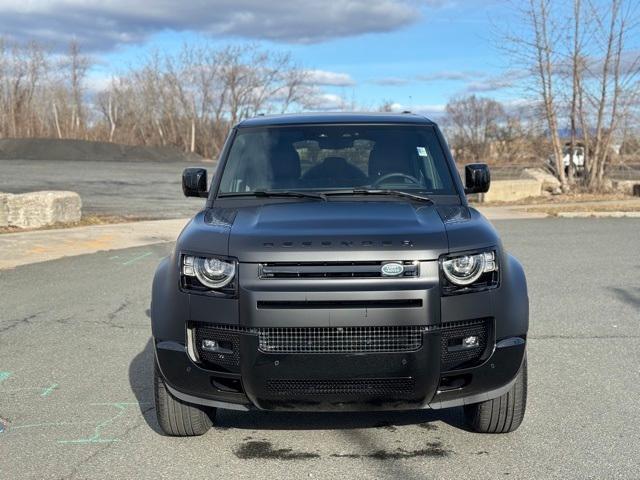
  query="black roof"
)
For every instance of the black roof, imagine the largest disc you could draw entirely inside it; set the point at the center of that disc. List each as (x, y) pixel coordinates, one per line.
(334, 117)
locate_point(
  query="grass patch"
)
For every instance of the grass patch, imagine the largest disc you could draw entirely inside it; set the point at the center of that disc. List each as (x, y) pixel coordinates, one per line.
(562, 199)
(607, 207)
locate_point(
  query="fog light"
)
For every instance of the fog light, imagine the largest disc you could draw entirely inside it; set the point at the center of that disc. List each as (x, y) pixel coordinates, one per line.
(210, 345)
(471, 341)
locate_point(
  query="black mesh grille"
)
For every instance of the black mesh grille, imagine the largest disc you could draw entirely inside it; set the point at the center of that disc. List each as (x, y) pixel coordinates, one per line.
(373, 387)
(328, 340)
(333, 269)
(220, 335)
(451, 332)
(335, 304)
(340, 340)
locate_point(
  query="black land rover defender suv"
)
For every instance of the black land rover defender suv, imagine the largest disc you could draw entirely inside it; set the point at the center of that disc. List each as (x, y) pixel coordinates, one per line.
(337, 266)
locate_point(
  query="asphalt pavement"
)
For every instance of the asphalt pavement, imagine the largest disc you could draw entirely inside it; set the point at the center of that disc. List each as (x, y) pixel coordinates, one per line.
(141, 190)
(76, 399)
(131, 189)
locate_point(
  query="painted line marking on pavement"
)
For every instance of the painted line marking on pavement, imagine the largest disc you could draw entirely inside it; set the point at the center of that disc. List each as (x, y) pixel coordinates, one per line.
(82, 422)
(135, 259)
(4, 376)
(47, 391)
(49, 424)
(97, 433)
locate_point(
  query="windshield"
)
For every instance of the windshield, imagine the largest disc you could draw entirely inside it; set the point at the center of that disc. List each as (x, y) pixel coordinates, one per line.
(334, 157)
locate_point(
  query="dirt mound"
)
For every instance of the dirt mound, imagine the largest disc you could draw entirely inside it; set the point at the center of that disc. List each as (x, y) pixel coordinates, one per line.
(79, 150)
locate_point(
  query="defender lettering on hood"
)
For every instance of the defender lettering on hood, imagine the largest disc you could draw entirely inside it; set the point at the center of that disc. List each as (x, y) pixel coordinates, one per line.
(337, 229)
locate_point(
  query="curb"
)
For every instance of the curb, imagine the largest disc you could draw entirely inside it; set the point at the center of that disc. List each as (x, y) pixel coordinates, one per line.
(23, 248)
(614, 214)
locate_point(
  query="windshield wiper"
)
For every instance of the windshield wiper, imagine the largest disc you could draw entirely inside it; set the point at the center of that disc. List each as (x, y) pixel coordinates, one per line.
(278, 193)
(394, 193)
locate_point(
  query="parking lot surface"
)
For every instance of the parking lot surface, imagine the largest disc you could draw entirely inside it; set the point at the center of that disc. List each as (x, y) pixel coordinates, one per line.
(130, 189)
(76, 399)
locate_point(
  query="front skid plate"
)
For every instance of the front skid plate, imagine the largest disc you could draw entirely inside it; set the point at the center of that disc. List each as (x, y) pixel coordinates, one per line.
(358, 381)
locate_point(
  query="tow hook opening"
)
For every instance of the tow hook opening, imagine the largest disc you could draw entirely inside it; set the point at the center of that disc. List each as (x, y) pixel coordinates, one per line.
(454, 382)
(232, 385)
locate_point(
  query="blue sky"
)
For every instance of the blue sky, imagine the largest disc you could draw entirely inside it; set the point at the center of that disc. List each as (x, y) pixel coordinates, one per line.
(416, 53)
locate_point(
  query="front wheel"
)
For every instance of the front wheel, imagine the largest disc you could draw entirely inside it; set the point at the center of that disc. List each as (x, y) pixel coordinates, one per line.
(178, 418)
(503, 414)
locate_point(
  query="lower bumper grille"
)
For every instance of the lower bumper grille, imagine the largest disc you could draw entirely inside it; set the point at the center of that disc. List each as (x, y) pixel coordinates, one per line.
(346, 340)
(340, 339)
(373, 387)
(453, 332)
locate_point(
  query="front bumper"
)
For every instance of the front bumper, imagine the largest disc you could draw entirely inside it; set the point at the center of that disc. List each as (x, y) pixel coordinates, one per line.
(340, 382)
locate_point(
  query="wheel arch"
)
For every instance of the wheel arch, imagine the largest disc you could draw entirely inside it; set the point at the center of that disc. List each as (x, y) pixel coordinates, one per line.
(169, 306)
(512, 300)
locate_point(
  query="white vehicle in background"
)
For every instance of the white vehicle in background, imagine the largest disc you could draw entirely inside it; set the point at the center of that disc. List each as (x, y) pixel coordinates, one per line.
(567, 158)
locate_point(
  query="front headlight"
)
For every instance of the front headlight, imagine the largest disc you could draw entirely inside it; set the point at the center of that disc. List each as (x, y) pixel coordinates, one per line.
(470, 271)
(211, 272)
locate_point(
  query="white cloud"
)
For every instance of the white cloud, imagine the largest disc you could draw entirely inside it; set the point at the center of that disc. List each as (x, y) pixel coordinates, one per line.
(450, 75)
(442, 76)
(429, 110)
(507, 79)
(326, 78)
(489, 85)
(324, 101)
(96, 82)
(392, 81)
(104, 25)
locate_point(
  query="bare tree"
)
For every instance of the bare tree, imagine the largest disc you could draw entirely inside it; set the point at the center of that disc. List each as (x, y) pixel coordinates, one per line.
(188, 100)
(545, 65)
(520, 138)
(576, 75)
(386, 106)
(617, 83)
(590, 63)
(293, 90)
(473, 124)
(77, 65)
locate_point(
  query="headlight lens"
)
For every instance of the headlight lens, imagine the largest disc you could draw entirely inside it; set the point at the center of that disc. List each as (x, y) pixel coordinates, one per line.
(464, 270)
(211, 272)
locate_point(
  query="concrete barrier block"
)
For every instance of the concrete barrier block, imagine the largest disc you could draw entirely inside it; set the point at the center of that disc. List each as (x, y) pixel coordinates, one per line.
(39, 209)
(628, 187)
(510, 190)
(549, 182)
(4, 209)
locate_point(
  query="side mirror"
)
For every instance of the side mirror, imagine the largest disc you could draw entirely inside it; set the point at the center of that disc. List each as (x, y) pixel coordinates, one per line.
(194, 182)
(477, 178)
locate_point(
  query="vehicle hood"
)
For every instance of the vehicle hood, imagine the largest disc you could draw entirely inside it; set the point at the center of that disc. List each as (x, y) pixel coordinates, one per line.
(337, 231)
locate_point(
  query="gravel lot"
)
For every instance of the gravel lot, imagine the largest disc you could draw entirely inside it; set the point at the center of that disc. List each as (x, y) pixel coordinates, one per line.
(76, 398)
(133, 189)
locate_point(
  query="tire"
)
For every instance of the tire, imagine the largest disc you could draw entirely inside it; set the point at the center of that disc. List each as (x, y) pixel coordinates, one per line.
(178, 418)
(503, 414)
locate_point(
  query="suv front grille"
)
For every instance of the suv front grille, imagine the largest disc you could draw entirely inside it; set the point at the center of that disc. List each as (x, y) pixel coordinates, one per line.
(367, 386)
(333, 304)
(340, 339)
(333, 270)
